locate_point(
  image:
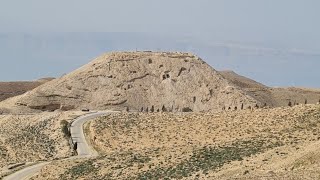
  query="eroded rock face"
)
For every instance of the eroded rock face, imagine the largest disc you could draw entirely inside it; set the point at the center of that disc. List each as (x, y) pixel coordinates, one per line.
(141, 81)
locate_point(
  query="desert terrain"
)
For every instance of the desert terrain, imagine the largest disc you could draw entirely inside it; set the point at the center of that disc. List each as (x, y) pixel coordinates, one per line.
(273, 96)
(279, 143)
(176, 118)
(30, 138)
(136, 81)
(11, 89)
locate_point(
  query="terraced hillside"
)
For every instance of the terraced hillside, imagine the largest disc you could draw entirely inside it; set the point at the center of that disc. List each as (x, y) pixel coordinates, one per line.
(261, 144)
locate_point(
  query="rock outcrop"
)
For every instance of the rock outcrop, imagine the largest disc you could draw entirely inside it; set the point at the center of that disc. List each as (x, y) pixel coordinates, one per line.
(141, 81)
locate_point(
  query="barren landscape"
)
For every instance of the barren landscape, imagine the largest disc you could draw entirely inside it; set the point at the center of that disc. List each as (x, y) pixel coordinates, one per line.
(137, 80)
(31, 138)
(160, 90)
(177, 118)
(271, 96)
(275, 143)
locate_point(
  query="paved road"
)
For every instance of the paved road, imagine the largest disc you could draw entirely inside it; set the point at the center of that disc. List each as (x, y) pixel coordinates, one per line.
(84, 151)
(27, 172)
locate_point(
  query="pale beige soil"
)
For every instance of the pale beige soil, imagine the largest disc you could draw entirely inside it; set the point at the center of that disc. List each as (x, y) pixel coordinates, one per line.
(154, 81)
(147, 81)
(272, 96)
(33, 137)
(9, 107)
(279, 143)
(224, 135)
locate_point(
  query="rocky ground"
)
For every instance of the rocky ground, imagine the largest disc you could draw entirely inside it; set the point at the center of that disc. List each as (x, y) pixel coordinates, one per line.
(33, 137)
(280, 143)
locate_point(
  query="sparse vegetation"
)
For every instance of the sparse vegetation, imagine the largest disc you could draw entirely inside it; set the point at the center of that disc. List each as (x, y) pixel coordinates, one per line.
(164, 145)
(194, 145)
(3, 151)
(164, 109)
(30, 138)
(65, 129)
(207, 159)
(79, 170)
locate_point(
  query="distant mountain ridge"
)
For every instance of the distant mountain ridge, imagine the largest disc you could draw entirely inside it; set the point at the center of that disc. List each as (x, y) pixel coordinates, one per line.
(11, 89)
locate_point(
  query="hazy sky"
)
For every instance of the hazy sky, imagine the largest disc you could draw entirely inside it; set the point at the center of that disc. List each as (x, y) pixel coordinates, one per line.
(285, 24)
(288, 22)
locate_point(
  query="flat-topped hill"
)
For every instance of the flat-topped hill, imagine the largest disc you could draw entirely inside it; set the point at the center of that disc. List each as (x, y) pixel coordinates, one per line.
(140, 81)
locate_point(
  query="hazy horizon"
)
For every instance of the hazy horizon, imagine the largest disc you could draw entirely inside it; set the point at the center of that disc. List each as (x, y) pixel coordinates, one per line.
(274, 42)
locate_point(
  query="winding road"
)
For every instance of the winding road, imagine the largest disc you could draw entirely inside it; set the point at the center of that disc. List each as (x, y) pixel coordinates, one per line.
(84, 150)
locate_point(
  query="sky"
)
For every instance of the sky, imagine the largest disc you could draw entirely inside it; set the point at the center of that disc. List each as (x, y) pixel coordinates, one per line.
(288, 26)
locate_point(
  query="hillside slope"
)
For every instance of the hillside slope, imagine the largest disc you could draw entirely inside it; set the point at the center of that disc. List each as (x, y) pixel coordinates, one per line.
(10, 89)
(33, 137)
(273, 97)
(276, 143)
(140, 81)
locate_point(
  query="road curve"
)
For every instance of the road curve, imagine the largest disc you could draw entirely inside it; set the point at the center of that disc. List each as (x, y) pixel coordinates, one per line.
(27, 172)
(77, 135)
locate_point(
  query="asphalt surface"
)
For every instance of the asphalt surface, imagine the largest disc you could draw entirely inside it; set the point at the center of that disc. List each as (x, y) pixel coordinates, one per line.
(77, 135)
(27, 172)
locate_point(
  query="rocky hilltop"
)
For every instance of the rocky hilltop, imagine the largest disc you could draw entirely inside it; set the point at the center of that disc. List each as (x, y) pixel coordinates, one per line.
(141, 81)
